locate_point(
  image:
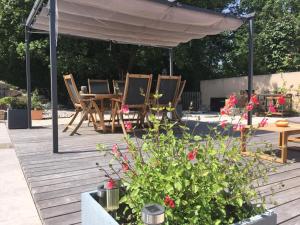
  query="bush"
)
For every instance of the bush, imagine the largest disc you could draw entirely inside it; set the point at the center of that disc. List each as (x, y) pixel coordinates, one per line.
(198, 180)
(14, 102)
(36, 102)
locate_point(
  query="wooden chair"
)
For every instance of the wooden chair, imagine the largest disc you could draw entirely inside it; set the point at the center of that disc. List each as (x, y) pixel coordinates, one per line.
(98, 86)
(119, 86)
(85, 105)
(168, 87)
(178, 98)
(135, 97)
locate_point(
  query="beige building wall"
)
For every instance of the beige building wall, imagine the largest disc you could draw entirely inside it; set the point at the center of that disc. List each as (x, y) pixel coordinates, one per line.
(261, 83)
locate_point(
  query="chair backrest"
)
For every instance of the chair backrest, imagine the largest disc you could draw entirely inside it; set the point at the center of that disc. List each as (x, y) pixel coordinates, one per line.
(137, 90)
(120, 85)
(180, 91)
(167, 86)
(98, 86)
(72, 89)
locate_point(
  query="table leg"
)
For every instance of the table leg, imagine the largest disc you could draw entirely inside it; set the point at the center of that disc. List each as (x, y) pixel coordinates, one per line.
(102, 123)
(284, 137)
(280, 140)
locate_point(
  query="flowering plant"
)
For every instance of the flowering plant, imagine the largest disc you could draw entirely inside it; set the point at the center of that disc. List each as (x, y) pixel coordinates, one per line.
(199, 180)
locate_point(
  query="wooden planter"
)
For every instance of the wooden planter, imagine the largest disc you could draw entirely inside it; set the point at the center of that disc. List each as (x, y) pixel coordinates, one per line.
(17, 119)
(92, 213)
(37, 114)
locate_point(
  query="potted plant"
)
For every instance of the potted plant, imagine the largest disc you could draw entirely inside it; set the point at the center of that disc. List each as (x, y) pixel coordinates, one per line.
(37, 106)
(16, 112)
(199, 180)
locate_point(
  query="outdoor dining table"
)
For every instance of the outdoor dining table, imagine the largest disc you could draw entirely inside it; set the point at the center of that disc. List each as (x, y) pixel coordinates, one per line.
(284, 133)
(100, 107)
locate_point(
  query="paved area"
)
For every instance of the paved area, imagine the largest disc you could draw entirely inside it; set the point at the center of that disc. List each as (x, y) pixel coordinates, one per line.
(16, 204)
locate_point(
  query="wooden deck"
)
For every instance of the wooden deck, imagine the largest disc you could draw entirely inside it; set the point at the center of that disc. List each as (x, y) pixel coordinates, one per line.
(56, 180)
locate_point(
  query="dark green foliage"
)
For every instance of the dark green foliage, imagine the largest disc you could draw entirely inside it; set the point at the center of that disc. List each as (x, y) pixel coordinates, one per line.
(14, 102)
(276, 49)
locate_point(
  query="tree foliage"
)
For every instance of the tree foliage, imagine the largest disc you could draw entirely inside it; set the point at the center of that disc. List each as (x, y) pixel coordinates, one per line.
(276, 48)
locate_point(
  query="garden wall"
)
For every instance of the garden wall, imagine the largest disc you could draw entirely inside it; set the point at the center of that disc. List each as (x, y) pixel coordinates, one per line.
(221, 88)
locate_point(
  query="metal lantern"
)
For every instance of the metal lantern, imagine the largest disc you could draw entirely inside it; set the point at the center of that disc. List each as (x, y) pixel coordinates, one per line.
(112, 199)
(153, 214)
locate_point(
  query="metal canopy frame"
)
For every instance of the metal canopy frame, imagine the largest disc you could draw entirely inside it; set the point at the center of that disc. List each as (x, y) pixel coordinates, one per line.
(53, 59)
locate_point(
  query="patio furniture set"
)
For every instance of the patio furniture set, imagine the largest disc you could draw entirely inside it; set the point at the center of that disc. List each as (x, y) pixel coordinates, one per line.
(134, 95)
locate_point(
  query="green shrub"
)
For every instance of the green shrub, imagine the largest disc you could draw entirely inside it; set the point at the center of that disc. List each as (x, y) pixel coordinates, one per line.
(199, 180)
(36, 102)
(14, 102)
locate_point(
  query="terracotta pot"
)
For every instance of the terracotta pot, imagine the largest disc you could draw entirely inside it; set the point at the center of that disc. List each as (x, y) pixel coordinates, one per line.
(37, 114)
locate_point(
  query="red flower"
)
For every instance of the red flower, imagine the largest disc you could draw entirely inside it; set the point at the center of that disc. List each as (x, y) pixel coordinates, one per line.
(125, 167)
(128, 125)
(172, 204)
(192, 155)
(124, 109)
(263, 122)
(224, 111)
(272, 108)
(238, 127)
(169, 202)
(110, 184)
(232, 100)
(249, 107)
(223, 123)
(281, 100)
(254, 100)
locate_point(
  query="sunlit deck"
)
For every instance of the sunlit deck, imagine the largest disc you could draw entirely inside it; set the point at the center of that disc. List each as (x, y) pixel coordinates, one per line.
(56, 180)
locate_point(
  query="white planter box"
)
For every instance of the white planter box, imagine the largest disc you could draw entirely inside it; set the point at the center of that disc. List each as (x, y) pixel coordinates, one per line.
(92, 213)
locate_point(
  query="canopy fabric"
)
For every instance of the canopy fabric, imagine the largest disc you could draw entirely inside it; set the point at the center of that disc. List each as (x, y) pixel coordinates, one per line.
(141, 22)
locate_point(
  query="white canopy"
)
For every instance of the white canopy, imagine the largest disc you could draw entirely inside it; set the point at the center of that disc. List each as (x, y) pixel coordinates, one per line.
(141, 22)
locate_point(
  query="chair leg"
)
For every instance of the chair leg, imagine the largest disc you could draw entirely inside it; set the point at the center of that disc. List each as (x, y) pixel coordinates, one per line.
(79, 124)
(86, 111)
(122, 124)
(114, 114)
(71, 121)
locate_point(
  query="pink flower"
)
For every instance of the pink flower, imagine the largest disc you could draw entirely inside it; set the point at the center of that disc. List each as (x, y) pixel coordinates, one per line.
(272, 108)
(125, 167)
(124, 109)
(224, 111)
(232, 100)
(169, 202)
(245, 116)
(263, 122)
(115, 150)
(192, 155)
(281, 100)
(125, 158)
(238, 127)
(110, 184)
(249, 107)
(254, 100)
(223, 123)
(128, 125)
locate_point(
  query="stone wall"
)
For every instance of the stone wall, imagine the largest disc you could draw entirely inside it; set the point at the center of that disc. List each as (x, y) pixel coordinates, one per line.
(220, 88)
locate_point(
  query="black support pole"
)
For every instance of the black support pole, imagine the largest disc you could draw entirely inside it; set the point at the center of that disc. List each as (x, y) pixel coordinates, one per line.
(28, 75)
(53, 72)
(171, 61)
(250, 66)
